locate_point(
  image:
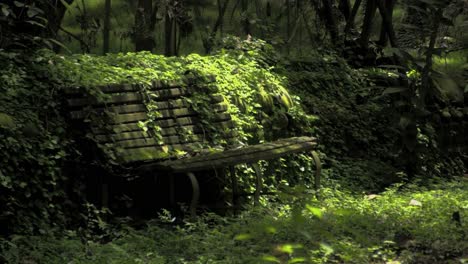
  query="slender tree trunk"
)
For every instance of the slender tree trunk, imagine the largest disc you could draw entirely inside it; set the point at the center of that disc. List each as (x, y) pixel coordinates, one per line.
(143, 24)
(345, 8)
(371, 7)
(246, 20)
(352, 16)
(268, 9)
(330, 20)
(170, 36)
(218, 25)
(288, 22)
(106, 29)
(425, 82)
(54, 12)
(386, 30)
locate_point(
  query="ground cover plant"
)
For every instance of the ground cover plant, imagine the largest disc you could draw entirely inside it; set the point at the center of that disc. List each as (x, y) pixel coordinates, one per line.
(404, 224)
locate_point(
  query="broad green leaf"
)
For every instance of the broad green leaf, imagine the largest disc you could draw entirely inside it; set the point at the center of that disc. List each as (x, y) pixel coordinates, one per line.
(18, 4)
(296, 260)
(393, 90)
(327, 250)
(33, 11)
(315, 211)
(288, 248)
(448, 88)
(5, 11)
(32, 22)
(271, 259)
(60, 44)
(241, 237)
(7, 121)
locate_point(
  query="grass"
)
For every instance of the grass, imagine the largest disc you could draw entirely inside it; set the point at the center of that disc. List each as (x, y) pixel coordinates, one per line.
(404, 224)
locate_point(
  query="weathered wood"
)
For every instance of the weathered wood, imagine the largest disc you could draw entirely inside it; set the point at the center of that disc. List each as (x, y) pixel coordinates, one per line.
(142, 154)
(155, 85)
(112, 128)
(258, 183)
(161, 95)
(137, 98)
(234, 186)
(181, 121)
(150, 154)
(140, 108)
(148, 142)
(120, 132)
(111, 88)
(127, 118)
(120, 98)
(122, 136)
(318, 172)
(227, 158)
(195, 194)
(123, 109)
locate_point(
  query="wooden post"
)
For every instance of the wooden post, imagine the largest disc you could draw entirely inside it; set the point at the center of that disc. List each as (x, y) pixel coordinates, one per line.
(235, 188)
(104, 195)
(318, 171)
(172, 202)
(258, 183)
(195, 194)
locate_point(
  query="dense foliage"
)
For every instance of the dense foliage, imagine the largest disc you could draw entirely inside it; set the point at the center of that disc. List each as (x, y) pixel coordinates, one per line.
(360, 118)
(39, 149)
(409, 225)
(33, 146)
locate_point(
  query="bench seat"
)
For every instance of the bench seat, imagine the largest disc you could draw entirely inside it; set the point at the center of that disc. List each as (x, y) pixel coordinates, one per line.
(178, 129)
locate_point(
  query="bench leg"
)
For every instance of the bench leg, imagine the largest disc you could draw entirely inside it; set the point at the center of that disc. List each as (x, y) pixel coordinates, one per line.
(172, 201)
(318, 171)
(258, 183)
(235, 188)
(195, 194)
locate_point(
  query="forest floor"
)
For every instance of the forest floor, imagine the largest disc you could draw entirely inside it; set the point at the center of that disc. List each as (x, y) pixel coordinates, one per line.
(404, 224)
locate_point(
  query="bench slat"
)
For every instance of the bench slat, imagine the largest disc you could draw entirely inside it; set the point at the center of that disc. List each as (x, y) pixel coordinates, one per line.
(153, 153)
(181, 121)
(147, 142)
(236, 156)
(135, 98)
(132, 130)
(140, 137)
(134, 108)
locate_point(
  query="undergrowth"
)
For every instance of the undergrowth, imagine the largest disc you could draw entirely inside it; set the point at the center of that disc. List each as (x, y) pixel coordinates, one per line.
(404, 224)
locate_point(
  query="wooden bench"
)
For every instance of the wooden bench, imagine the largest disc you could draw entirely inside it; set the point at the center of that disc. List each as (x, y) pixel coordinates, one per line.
(158, 128)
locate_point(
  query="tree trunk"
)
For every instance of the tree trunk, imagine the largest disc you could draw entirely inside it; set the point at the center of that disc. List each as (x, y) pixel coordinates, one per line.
(245, 20)
(106, 29)
(170, 36)
(345, 8)
(371, 7)
(218, 25)
(352, 16)
(386, 30)
(143, 24)
(426, 72)
(54, 12)
(330, 20)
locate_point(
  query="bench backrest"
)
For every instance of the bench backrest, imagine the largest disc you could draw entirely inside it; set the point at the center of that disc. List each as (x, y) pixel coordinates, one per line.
(139, 123)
